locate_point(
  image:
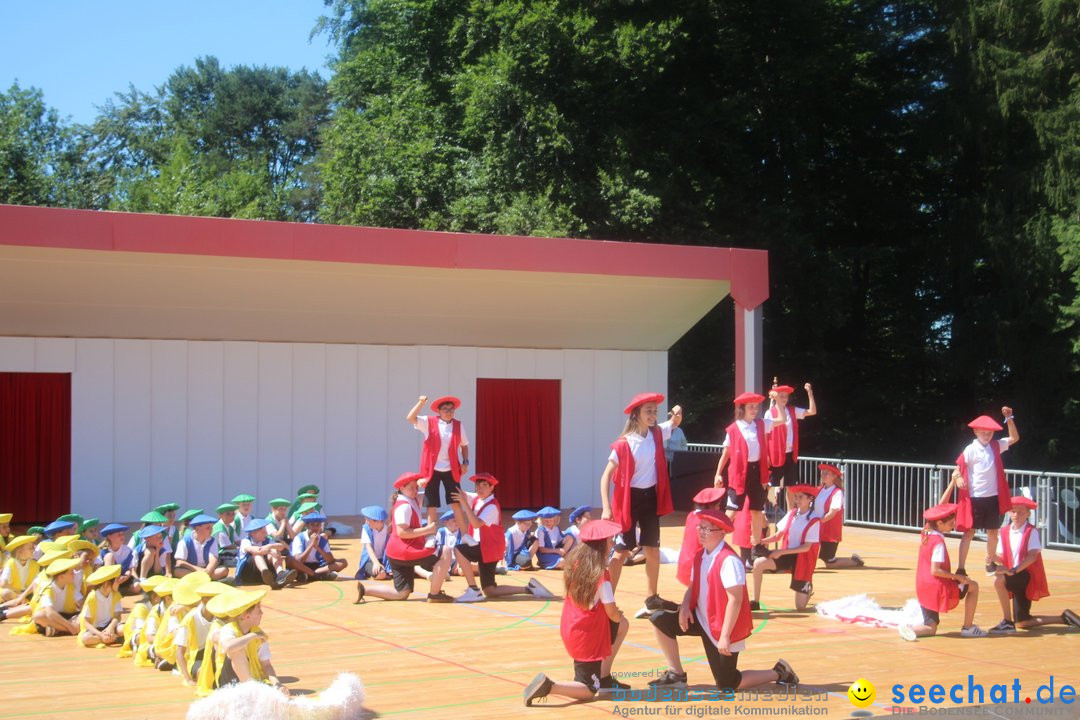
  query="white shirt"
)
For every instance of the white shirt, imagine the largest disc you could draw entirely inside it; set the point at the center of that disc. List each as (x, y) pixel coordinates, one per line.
(606, 594)
(554, 536)
(517, 537)
(643, 448)
(446, 432)
(301, 542)
(489, 515)
(980, 460)
(377, 542)
(201, 558)
(53, 596)
(21, 569)
(202, 629)
(938, 556)
(103, 611)
(798, 523)
(800, 413)
(732, 574)
(403, 513)
(833, 501)
(1015, 536)
(122, 555)
(226, 633)
(748, 428)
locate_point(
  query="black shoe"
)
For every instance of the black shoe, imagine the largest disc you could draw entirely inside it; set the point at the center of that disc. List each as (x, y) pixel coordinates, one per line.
(609, 683)
(655, 602)
(757, 551)
(1004, 627)
(1071, 618)
(670, 677)
(539, 688)
(991, 568)
(755, 605)
(786, 676)
(360, 590)
(270, 579)
(3, 614)
(439, 597)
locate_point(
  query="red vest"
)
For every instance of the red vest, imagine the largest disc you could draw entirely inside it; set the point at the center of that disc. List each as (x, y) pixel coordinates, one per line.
(831, 530)
(412, 548)
(963, 495)
(934, 593)
(433, 441)
(492, 538)
(738, 450)
(691, 544)
(778, 440)
(718, 597)
(804, 561)
(1037, 588)
(586, 634)
(624, 472)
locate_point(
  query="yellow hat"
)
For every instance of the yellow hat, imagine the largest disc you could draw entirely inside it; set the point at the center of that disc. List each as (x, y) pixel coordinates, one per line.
(67, 540)
(166, 586)
(80, 545)
(17, 542)
(213, 589)
(150, 584)
(235, 603)
(195, 579)
(48, 558)
(103, 574)
(61, 566)
(48, 546)
(5, 518)
(185, 595)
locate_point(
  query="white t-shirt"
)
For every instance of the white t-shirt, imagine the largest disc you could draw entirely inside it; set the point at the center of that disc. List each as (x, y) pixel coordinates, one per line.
(732, 574)
(300, 544)
(103, 610)
(643, 448)
(938, 555)
(403, 513)
(980, 460)
(606, 594)
(489, 515)
(748, 428)
(226, 633)
(53, 596)
(800, 413)
(833, 501)
(554, 536)
(202, 629)
(377, 542)
(446, 432)
(798, 523)
(202, 558)
(22, 570)
(1015, 536)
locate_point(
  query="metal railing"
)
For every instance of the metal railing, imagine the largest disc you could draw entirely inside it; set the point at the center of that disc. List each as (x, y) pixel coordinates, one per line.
(893, 495)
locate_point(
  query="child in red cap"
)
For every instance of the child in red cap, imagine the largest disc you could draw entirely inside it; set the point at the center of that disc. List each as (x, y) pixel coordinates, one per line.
(799, 533)
(1023, 577)
(592, 626)
(784, 439)
(444, 459)
(829, 507)
(937, 587)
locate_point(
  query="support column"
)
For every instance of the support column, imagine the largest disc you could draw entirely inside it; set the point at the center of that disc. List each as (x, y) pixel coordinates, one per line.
(748, 349)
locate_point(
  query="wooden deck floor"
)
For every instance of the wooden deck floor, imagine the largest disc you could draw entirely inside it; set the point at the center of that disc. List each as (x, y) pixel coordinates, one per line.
(473, 661)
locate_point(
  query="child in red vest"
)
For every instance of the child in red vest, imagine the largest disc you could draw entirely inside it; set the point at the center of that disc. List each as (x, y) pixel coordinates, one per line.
(799, 533)
(709, 498)
(444, 459)
(1023, 577)
(829, 507)
(592, 627)
(715, 608)
(937, 587)
(484, 516)
(784, 439)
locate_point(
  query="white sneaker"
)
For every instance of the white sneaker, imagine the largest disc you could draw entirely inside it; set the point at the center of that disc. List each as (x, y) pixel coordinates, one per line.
(907, 633)
(973, 631)
(538, 590)
(471, 595)
(468, 540)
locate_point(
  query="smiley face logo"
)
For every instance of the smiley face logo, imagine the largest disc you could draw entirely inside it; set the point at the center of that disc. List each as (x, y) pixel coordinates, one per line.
(862, 693)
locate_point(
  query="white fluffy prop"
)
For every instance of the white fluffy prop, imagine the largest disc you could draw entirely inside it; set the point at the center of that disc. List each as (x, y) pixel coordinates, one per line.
(343, 700)
(864, 610)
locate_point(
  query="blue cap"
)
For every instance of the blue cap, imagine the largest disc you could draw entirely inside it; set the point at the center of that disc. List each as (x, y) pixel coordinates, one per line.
(549, 512)
(375, 512)
(202, 520)
(579, 511)
(56, 526)
(315, 517)
(113, 528)
(150, 531)
(446, 515)
(524, 515)
(256, 524)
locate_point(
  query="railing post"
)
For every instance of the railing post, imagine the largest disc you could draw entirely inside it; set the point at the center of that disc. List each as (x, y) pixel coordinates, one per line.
(1044, 511)
(937, 485)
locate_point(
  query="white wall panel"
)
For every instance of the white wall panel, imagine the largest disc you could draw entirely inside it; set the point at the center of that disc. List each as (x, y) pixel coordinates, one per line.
(308, 417)
(53, 355)
(339, 474)
(17, 354)
(206, 425)
(403, 387)
(240, 463)
(580, 472)
(131, 373)
(549, 364)
(521, 363)
(376, 420)
(92, 429)
(168, 416)
(634, 369)
(275, 422)
(491, 362)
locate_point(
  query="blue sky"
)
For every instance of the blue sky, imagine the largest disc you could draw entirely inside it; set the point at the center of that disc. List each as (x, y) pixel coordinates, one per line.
(81, 52)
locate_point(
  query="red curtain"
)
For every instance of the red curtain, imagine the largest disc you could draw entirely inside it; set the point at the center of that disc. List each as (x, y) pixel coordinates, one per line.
(35, 446)
(518, 439)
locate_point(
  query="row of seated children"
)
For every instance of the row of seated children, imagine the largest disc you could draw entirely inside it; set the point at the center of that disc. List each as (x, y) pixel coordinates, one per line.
(545, 547)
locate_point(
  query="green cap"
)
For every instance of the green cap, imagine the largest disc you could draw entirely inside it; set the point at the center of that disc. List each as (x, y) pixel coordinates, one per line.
(189, 514)
(35, 530)
(225, 507)
(89, 523)
(154, 517)
(307, 496)
(167, 507)
(308, 507)
(72, 517)
(243, 497)
(279, 502)
(314, 489)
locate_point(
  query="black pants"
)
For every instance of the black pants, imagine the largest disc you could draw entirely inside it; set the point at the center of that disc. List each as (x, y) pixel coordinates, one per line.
(724, 667)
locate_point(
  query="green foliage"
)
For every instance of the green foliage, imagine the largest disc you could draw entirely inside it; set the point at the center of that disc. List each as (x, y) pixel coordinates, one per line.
(34, 148)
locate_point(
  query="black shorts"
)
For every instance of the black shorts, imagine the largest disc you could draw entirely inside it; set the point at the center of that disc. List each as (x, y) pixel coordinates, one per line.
(754, 489)
(930, 617)
(472, 553)
(1017, 584)
(828, 551)
(250, 573)
(66, 616)
(365, 571)
(643, 515)
(786, 563)
(587, 672)
(431, 490)
(984, 513)
(724, 667)
(785, 475)
(404, 571)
